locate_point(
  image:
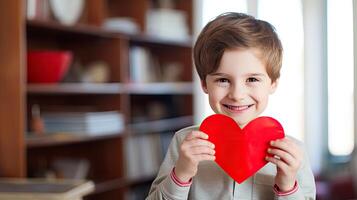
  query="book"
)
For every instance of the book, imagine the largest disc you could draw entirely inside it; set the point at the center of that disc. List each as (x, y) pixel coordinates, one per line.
(87, 123)
(144, 66)
(149, 154)
(143, 155)
(43, 189)
(132, 158)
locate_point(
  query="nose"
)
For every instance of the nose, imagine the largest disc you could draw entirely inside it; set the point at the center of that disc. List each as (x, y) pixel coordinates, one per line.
(237, 92)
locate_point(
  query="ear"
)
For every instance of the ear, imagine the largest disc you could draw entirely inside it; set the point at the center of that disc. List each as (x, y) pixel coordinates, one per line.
(273, 86)
(204, 86)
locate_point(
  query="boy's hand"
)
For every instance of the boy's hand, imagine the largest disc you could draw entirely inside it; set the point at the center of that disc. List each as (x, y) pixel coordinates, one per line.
(287, 156)
(194, 149)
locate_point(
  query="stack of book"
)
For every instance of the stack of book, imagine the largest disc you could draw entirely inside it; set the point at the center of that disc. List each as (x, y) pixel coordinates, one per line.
(143, 155)
(26, 189)
(86, 123)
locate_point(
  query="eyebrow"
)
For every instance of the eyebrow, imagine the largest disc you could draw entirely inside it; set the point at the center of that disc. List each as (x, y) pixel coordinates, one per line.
(218, 74)
(249, 74)
(256, 74)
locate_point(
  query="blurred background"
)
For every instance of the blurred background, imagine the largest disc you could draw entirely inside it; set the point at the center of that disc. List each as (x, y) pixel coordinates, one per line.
(95, 89)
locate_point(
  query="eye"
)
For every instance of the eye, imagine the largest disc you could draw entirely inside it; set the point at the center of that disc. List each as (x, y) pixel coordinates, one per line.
(252, 79)
(223, 82)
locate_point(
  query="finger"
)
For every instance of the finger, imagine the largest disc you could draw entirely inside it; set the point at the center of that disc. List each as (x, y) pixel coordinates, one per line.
(284, 156)
(203, 157)
(196, 134)
(200, 142)
(294, 149)
(279, 163)
(286, 145)
(202, 150)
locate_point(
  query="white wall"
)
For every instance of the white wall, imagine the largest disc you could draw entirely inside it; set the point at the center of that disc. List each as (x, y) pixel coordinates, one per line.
(315, 51)
(200, 98)
(355, 66)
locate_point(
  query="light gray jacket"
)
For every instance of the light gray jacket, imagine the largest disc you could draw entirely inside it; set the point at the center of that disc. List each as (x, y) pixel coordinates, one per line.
(212, 183)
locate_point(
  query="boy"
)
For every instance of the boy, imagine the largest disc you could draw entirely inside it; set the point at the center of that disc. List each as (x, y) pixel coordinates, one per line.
(238, 59)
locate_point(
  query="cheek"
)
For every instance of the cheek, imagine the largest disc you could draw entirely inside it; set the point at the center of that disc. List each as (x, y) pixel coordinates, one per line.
(216, 94)
(260, 94)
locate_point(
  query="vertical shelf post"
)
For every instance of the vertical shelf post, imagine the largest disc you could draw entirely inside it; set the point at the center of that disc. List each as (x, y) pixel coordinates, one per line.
(12, 89)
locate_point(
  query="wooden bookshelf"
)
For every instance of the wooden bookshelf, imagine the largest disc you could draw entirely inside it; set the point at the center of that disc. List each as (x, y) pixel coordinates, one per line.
(152, 110)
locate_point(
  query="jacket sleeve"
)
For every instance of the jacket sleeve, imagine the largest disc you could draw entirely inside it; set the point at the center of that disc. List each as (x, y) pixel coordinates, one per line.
(163, 187)
(306, 183)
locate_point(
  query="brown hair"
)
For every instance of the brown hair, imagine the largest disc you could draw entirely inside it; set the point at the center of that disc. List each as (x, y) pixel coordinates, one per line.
(236, 30)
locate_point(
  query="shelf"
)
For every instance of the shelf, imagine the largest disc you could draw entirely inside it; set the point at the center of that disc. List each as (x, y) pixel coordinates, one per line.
(57, 139)
(110, 88)
(161, 125)
(145, 39)
(104, 186)
(55, 28)
(75, 88)
(160, 88)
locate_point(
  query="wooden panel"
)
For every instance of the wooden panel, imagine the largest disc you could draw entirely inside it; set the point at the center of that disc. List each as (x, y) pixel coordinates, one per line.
(12, 89)
(136, 9)
(96, 11)
(124, 61)
(187, 6)
(181, 55)
(76, 103)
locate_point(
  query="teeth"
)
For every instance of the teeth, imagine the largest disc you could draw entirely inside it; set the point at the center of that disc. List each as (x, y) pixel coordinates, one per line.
(238, 108)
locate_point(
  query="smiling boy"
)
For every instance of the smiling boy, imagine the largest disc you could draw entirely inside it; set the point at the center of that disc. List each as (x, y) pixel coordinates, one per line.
(238, 59)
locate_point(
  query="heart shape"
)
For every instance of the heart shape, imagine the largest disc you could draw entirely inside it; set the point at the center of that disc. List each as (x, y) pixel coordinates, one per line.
(241, 152)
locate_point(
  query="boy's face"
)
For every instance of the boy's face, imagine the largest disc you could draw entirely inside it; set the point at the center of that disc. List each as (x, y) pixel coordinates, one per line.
(240, 88)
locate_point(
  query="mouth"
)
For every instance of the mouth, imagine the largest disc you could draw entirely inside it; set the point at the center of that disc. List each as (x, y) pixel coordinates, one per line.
(237, 108)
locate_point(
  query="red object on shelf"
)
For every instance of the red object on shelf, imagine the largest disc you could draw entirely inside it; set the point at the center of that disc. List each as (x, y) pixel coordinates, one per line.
(47, 66)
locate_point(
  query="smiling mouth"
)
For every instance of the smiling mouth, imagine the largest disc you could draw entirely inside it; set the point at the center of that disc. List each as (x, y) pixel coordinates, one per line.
(237, 108)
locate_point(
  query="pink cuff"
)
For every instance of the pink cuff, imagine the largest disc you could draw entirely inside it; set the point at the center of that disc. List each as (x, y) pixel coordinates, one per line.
(177, 181)
(280, 193)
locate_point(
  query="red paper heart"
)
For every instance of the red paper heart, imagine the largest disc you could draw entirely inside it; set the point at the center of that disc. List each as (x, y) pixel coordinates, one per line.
(239, 152)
